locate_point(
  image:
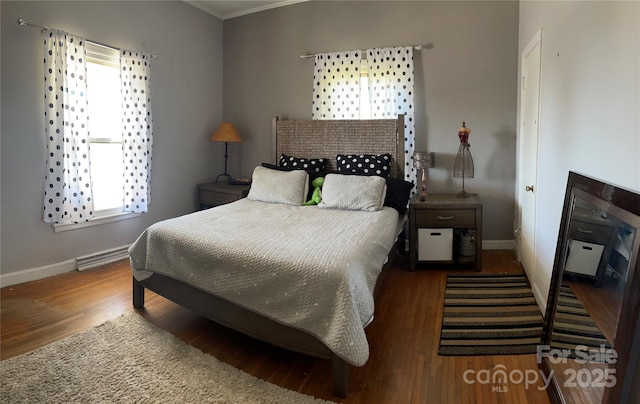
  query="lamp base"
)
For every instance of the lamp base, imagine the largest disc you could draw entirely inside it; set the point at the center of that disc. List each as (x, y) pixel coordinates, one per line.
(462, 194)
(227, 176)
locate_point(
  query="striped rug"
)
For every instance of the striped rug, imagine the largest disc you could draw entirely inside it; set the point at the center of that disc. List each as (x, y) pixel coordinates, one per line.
(489, 315)
(573, 325)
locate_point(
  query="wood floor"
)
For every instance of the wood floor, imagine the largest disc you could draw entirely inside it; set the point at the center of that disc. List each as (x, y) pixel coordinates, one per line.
(403, 367)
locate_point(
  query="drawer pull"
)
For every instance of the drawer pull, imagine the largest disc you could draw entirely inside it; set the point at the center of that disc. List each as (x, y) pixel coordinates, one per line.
(585, 231)
(436, 234)
(445, 217)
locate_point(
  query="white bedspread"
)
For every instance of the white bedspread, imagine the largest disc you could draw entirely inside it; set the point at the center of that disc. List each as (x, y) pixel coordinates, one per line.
(310, 268)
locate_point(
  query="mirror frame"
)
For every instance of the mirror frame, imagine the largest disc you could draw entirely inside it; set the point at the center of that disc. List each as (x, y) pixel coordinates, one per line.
(627, 372)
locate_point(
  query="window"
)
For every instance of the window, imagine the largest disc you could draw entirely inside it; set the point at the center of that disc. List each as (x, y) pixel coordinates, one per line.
(101, 113)
(384, 89)
(365, 102)
(105, 128)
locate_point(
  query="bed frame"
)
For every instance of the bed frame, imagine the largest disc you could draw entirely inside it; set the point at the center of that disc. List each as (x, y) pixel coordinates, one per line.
(320, 138)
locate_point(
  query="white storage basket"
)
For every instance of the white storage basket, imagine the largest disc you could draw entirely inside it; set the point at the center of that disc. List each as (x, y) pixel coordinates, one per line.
(583, 258)
(435, 244)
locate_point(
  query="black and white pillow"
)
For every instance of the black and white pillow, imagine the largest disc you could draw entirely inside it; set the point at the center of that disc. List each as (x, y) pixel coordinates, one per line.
(299, 163)
(368, 164)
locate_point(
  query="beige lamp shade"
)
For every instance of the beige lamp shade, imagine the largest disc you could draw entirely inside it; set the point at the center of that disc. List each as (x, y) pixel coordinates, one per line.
(423, 160)
(226, 132)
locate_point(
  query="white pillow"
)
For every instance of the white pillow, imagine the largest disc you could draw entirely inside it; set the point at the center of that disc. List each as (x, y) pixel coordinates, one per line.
(275, 186)
(353, 192)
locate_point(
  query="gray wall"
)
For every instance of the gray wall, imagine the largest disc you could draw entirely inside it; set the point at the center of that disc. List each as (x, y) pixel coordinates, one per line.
(467, 71)
(186, 94)
(589, 104)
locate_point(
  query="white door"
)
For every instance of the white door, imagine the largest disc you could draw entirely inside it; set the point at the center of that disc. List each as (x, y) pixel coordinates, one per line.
(528, 153)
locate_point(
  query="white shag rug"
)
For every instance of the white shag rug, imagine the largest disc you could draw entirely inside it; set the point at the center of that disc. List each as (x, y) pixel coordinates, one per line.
(130, 360)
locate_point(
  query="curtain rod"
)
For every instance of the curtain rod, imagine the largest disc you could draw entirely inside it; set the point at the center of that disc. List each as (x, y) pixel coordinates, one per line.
(23, 23)
(416, 47)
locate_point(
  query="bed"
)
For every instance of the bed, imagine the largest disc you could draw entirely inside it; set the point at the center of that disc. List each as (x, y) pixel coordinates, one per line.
(266, 274)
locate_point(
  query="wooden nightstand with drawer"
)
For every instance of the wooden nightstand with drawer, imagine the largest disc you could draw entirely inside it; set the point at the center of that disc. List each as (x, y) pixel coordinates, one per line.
(445, 229)
(214, 194)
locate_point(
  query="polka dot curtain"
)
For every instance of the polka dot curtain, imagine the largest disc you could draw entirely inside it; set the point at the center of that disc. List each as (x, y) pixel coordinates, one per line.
(67, 193)
(336, 85)
(391, 93)
(137, 134)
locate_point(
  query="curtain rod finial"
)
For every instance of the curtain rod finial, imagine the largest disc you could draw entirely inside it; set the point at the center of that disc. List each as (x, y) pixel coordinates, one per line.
(24, 23)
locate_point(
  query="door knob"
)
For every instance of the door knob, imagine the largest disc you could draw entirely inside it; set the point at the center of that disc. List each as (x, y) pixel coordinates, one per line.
(529, 188)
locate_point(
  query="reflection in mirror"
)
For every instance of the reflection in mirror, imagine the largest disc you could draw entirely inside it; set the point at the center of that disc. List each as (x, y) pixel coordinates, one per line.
(597, 253)
(595, 268)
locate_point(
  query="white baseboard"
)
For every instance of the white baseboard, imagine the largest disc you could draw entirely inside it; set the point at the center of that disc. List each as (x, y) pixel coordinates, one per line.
(541, 300)
(115, 254)
(498, 244)
(34, 274)
(80, 263)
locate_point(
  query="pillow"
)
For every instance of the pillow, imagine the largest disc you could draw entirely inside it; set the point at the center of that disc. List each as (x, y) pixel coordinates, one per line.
(353, 192)
(312, 175)
(302, 163)
(398, 194)
(369, 164)
(287, 187)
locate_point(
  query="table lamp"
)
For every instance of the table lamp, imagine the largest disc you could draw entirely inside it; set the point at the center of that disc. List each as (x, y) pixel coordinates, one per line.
(226, 133)
(422, 161)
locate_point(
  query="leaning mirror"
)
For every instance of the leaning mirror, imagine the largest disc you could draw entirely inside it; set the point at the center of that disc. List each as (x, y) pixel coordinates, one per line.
(589, 349)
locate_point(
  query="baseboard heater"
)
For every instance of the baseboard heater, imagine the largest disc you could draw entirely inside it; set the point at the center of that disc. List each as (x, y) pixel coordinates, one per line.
(102, 258)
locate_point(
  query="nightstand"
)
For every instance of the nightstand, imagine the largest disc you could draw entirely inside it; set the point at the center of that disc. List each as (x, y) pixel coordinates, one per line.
(214, 194)
(445, 229)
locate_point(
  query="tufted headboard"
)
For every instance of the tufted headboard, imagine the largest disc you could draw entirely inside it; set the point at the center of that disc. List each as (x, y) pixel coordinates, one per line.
(327, 138)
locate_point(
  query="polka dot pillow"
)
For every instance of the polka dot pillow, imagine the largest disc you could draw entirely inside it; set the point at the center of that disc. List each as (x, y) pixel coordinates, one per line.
(367, 164)
(298, 163)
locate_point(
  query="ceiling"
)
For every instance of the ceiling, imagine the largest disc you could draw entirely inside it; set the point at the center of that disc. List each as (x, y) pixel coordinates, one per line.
(235, 8)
